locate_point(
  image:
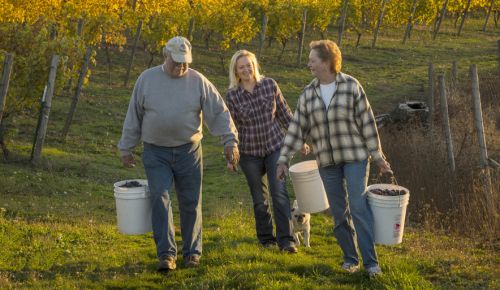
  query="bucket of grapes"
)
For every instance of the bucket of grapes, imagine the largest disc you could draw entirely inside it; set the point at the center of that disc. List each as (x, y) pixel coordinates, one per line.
(388, 202)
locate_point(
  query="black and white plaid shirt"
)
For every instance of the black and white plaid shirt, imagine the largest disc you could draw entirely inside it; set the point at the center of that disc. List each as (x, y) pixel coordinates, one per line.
(345, 132)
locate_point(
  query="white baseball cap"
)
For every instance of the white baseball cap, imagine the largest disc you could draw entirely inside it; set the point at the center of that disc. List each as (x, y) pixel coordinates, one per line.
(179, 49)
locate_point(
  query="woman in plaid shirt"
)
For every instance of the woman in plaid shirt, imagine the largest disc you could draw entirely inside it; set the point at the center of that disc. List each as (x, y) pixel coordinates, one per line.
(261, 116)
(335, 114)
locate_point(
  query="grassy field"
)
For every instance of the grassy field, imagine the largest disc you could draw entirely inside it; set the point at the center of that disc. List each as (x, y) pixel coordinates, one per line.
(58, 223)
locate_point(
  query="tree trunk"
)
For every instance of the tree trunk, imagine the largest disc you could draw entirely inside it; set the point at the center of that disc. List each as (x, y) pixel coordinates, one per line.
(270, 42)
(440, 19)
(207, 40)
(108, 60)
(456, 20)
(79, 32)
(283, 46)
(3, 129)
(379, 22)
(342, 22)
(190, 29)
(4, 81)
(262, 37)
(488, 15)
(410, 21)
(222, 64)
(41, 131)
(78, 90)
(463, 18)
(301, 37)
(151, 59)
(131, 60)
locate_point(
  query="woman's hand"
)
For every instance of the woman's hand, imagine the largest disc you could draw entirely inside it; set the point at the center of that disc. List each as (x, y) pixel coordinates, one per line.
(305, 149)
(384, 166)
(281, 172)
(231, 167)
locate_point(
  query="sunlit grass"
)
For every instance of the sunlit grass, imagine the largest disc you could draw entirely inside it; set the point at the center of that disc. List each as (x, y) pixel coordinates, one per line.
(58, 223)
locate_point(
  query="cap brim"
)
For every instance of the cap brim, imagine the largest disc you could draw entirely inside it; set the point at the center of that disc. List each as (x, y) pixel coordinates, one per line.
(184, 58)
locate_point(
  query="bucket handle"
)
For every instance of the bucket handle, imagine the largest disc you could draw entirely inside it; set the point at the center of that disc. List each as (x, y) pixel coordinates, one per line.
(391, 176)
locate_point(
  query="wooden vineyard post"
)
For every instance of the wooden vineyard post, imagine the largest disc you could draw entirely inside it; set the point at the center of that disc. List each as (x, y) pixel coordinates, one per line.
(478, 120)
(446, 122)
(430, 101)
(4, 81)
(41, 131)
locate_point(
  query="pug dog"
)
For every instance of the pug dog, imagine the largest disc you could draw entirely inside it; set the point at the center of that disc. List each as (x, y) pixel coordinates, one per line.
(301, 225)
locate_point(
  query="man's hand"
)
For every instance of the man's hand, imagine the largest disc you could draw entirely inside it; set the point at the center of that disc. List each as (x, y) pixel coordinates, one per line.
(232, 155)
(128, 161)
(281, 172)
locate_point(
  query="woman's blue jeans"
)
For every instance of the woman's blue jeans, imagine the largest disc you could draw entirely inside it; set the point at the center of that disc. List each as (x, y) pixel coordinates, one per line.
(345, 186)
(260, 173)
(182, 165)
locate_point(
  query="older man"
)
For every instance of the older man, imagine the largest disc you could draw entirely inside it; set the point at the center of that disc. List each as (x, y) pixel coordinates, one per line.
(165, 112)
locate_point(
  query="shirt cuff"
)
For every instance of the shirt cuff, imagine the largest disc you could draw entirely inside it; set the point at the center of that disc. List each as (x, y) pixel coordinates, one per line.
(230, 143)
(377, 155)
(125, 153)
(283, 160)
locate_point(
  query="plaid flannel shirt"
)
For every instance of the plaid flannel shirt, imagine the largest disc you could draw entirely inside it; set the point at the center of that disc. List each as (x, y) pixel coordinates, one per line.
(346, 132)
(261, 117)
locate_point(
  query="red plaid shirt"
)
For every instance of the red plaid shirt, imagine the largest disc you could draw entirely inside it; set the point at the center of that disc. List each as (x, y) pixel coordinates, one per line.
(261, 117)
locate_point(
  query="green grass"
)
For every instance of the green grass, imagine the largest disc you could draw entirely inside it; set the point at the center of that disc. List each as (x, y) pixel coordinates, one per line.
(57, 220)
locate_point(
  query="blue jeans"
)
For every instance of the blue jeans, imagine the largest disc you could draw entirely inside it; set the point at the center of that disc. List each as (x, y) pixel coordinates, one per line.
(345, 186)
(182, 164)
(260, 173)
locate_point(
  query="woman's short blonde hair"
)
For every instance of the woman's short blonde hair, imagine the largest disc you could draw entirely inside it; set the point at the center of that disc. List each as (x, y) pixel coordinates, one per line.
(328, 51)
(234, 80)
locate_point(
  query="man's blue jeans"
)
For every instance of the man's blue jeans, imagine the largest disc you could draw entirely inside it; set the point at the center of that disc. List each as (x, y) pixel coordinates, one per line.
(345, 186)
(182, 164)
(260, 173)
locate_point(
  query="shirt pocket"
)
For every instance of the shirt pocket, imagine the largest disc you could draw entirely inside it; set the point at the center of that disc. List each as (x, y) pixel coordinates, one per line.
(246, 115)
(342, 109)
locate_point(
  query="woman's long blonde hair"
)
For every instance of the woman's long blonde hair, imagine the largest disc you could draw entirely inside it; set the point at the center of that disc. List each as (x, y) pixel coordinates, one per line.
(234, 80)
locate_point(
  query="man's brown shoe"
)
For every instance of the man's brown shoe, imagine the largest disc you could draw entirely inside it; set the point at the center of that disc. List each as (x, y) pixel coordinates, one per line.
(192, 261)
(167, 263)
(290, 249)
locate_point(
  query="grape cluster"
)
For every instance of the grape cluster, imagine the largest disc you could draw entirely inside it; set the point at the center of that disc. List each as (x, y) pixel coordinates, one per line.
(388, 192)
(130, 184)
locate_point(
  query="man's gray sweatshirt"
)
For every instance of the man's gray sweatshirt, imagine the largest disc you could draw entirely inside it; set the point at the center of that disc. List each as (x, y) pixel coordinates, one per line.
(167, 111)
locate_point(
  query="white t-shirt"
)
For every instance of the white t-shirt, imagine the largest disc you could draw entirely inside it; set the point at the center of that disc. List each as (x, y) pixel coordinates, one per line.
(327, 92)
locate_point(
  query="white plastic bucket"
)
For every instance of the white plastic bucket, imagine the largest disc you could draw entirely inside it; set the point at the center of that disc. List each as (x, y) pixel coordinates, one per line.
(389, 213)
(309, 190)
(133, 207)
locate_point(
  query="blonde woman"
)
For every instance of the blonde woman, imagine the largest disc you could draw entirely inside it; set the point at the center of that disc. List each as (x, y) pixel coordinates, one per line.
(261, 116)
(334, 112)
